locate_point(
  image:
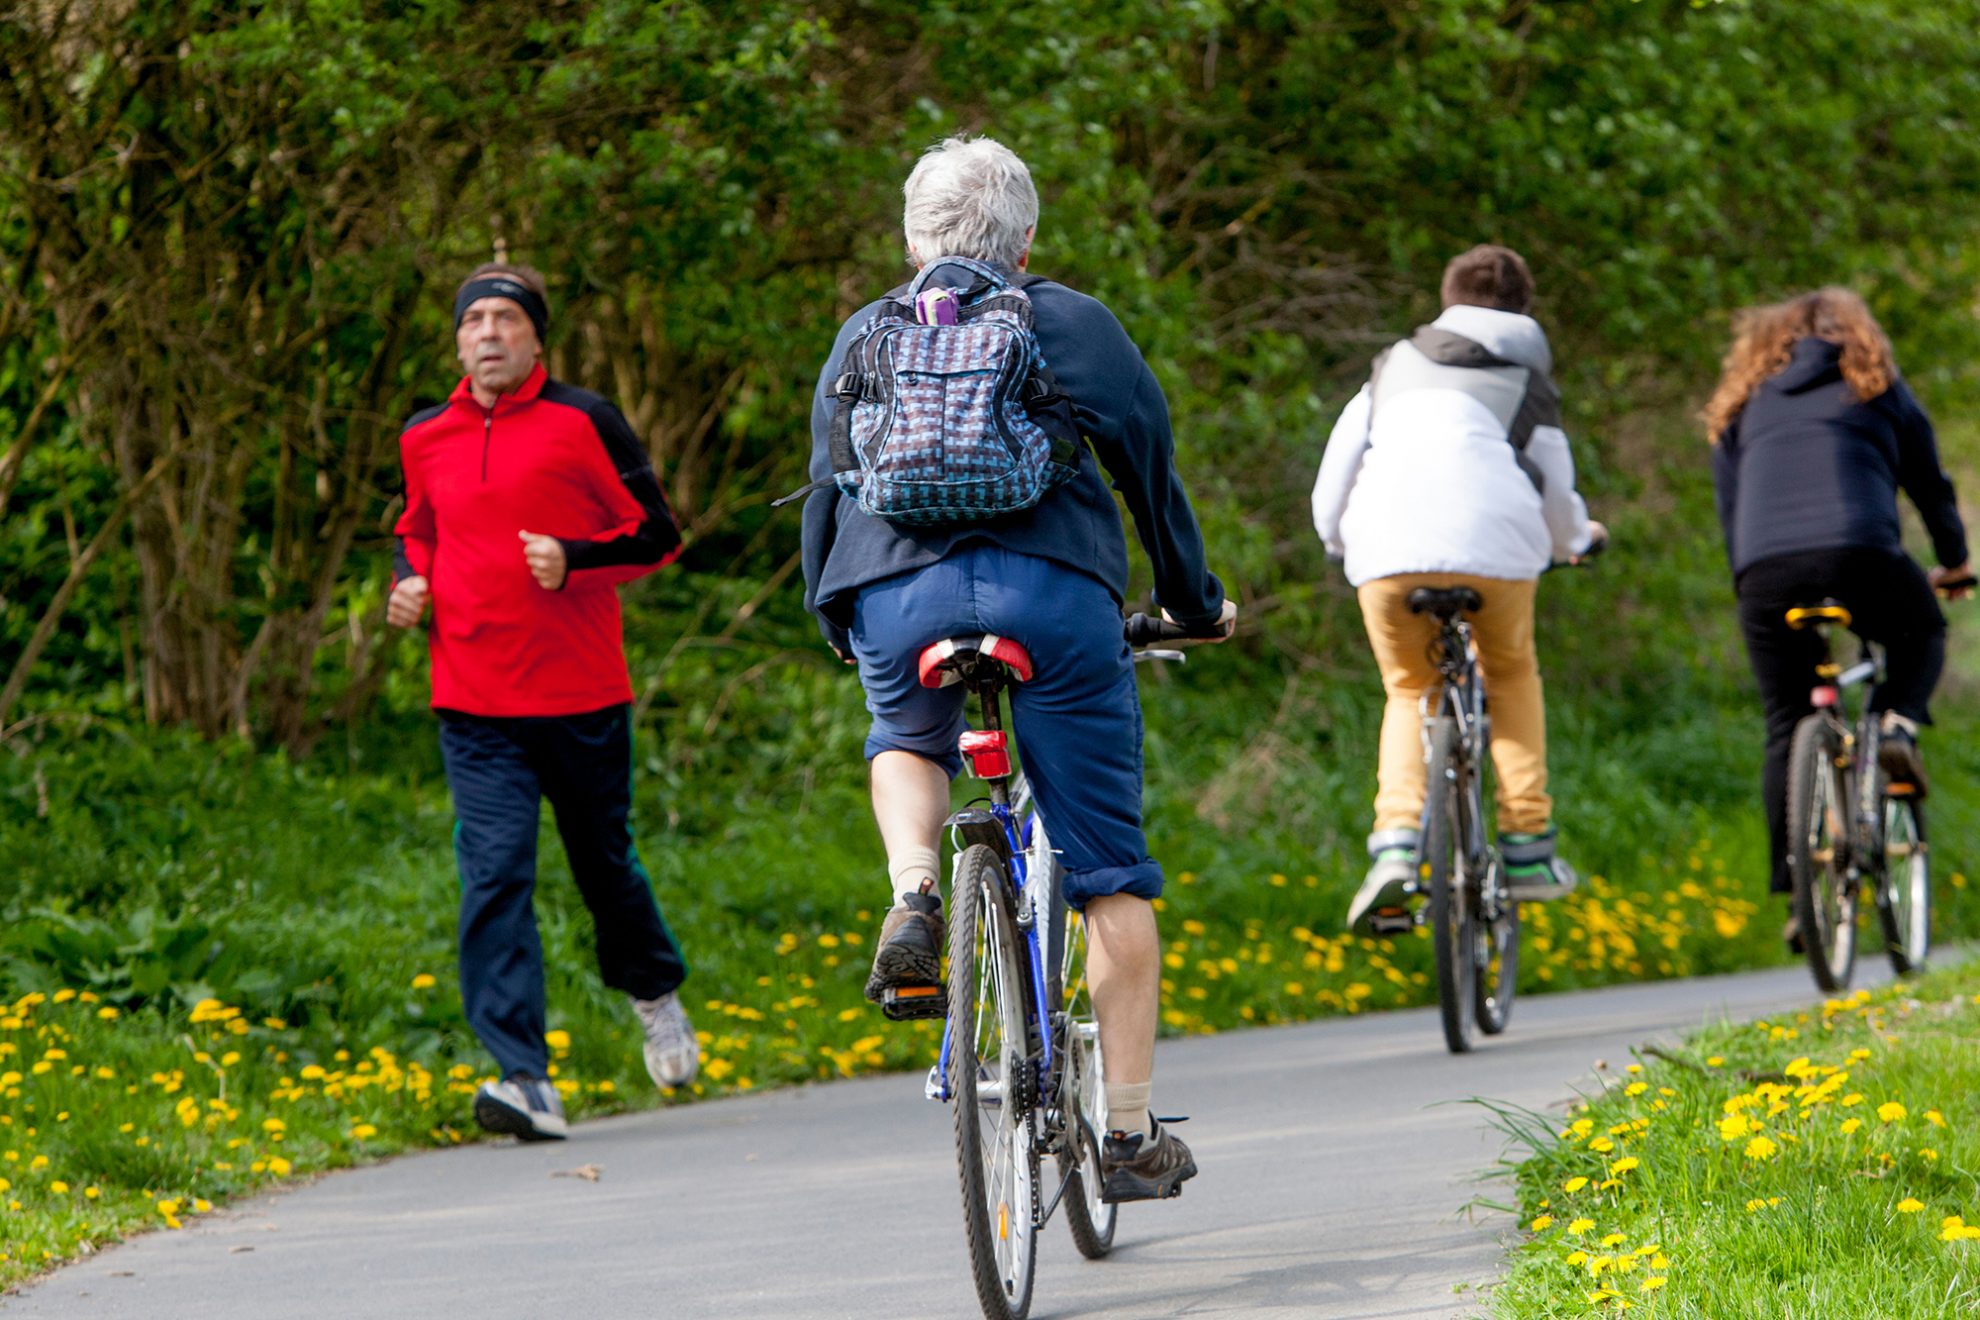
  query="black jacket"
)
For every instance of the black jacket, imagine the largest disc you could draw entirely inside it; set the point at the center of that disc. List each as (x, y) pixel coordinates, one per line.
(1806, 465)
(1120, 410)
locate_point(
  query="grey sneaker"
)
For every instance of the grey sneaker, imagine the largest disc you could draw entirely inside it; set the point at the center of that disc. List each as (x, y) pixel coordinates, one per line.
(1533, 873)
(521, 1106)
(1386, 890)
(1138, 1167)
(673, 1055)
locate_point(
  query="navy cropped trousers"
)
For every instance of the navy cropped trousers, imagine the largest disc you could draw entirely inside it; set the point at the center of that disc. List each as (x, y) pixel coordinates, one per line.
(500, 769)
(1078, 720)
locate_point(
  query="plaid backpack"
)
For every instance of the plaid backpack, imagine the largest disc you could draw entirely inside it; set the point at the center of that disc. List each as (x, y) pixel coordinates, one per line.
(946, 410)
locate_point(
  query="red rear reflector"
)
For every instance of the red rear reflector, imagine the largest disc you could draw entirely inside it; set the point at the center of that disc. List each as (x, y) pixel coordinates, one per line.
(988, 757)
(1823, 697)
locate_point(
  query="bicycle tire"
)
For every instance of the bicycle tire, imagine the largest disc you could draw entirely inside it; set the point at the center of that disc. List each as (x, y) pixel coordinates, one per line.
(1905, 907)
(1083, 1096)
(996, 1131)
(1819, 809)
(1451, 918)
(1497, 963)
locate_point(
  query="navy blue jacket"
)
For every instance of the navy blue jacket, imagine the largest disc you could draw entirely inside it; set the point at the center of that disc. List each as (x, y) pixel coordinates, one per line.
(1121, 412)
(1806, 465)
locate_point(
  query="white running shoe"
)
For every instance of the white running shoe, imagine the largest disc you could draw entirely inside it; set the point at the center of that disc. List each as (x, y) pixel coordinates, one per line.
(521, 1106)
(673, 1055)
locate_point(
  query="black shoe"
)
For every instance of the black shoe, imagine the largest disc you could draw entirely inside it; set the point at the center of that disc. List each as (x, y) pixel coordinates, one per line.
(910, 952)
(1897, 756)
(1138, 1167)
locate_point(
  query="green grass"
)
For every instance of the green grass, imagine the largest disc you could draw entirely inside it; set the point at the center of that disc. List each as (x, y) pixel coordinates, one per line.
(156, 872)
(1823, 1164)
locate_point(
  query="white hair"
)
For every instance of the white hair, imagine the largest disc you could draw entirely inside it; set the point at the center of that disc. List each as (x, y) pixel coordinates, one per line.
(969, 197)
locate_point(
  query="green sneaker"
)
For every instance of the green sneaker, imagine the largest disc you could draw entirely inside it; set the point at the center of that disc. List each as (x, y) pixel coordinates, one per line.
(1388, 887)
(1533, 873)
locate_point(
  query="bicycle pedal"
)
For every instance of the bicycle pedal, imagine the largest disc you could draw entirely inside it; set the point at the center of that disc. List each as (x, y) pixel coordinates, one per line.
(1391, 923)
(908, 1003)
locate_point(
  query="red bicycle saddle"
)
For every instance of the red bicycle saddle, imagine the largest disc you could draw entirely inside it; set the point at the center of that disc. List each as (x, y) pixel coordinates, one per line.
(942, 663)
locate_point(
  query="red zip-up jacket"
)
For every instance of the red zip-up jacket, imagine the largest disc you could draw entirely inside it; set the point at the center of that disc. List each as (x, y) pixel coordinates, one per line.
(551, 459)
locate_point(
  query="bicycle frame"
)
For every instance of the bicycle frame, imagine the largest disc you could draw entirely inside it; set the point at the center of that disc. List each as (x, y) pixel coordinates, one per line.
(1012, 811)
(1462, 698)
(1861, 737)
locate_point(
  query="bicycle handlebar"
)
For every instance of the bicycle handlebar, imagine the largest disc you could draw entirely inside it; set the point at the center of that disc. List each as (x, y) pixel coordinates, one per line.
(1949, 585)
(1145, 630)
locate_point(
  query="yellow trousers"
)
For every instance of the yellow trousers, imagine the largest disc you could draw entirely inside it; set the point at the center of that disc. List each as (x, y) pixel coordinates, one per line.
(1503, 631)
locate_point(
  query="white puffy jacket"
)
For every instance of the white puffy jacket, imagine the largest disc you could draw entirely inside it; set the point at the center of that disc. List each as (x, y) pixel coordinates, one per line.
(1429, 482)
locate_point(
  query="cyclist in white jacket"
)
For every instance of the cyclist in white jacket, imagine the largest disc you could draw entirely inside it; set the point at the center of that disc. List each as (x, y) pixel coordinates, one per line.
(1450, 468)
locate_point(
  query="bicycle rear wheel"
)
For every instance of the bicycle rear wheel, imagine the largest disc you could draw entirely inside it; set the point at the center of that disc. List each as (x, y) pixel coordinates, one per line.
(1452, 921)
(989, 1073)
(1083, 1097)
(1818, 816)
(1905, 905)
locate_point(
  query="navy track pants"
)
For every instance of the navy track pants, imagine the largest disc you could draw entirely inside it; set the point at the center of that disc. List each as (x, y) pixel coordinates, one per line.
(500, 769)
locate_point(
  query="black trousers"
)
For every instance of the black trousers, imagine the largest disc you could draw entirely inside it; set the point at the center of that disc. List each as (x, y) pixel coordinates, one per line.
(500, 770)
(1891, 603)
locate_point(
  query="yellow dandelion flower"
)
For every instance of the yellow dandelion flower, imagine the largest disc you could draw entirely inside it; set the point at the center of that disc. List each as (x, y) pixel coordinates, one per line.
(58, 1187)
(1910, 1205)
(1761, 1148)
(1891, 1111)
(1651, 1284)
(1614, 1240)
(1850, 1125)
(1935, 1118)
(424, 981)
(107, 1013)
(1624, 1165)
(1580, 1226)
(1542, 1222)
(278, 1166)
(557, 1040)
(1574, 1184)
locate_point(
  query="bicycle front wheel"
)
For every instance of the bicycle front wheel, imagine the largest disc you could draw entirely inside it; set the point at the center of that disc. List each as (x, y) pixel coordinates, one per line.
(989, 1071)
(1906, 907)
(1818, 814)
(1452, 920)
(1083, 1096)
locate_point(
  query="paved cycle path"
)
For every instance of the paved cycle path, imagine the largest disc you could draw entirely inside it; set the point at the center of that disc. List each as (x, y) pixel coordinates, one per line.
(1335, 1175)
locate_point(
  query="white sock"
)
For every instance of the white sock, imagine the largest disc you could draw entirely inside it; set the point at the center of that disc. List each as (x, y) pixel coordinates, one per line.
(1127, 1107)
(914, 870)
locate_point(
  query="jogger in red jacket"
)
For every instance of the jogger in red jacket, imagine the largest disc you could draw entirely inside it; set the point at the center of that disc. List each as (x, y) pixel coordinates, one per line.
(527, 502)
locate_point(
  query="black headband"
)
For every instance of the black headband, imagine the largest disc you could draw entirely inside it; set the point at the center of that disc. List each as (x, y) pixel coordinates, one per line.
(501, 286)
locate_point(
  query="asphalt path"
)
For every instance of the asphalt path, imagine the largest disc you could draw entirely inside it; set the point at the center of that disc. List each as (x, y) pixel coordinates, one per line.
(1338, 1160)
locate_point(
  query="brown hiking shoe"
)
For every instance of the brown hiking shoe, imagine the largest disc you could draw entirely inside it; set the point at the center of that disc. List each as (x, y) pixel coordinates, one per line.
(910, 952)
(1137, 1167)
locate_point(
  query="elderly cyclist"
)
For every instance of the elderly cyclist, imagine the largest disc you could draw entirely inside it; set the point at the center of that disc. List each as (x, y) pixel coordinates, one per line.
(1052, 577)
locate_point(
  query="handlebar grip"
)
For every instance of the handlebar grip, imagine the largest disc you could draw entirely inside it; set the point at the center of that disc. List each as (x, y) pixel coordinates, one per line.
(1958, 583)
(1146, 630)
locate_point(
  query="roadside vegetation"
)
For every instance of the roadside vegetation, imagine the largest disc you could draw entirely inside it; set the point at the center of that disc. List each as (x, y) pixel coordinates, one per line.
(1822, 1163)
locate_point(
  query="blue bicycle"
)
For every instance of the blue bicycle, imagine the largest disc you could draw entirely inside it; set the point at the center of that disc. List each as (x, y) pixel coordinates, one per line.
(1020, 1059)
